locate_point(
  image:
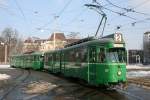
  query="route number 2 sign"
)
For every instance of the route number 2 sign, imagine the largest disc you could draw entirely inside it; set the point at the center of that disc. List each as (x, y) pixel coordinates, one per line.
(118, 37)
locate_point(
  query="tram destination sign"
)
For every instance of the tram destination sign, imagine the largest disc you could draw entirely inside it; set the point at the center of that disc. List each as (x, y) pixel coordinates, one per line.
(118, 45)
(117, 37)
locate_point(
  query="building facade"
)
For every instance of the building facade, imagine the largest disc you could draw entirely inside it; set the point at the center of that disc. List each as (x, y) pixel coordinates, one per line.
(135, 56)
(54, 42)
(30, 45)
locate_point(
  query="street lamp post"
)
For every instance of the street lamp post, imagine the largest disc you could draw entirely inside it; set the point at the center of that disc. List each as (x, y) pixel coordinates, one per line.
(56, 26)
(54, 41)
(6, 54)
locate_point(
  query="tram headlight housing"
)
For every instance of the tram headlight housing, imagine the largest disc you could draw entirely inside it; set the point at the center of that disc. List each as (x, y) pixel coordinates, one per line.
(119, 73)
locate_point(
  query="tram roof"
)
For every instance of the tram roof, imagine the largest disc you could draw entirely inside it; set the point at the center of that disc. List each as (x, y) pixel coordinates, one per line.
(37, 53)
(93, 42)
(88, 43)
(34, 53)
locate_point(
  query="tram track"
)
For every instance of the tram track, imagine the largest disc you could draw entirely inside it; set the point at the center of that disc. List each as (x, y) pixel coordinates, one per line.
(140, 82)
(18, 80)
(118, 94)
(120, 90)
(20, 74)
(116, 90)
(76, 90)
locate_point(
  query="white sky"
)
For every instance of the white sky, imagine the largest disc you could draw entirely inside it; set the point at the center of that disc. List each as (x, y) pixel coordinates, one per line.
(28, 15)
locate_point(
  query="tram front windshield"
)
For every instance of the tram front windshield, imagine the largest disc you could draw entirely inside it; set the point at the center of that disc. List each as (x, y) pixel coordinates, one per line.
(116, 55)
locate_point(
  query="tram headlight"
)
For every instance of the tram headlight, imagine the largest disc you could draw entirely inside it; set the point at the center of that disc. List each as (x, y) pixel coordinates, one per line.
(119, 73)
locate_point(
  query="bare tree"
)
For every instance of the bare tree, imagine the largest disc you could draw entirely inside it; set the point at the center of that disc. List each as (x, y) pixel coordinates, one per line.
(11, 40)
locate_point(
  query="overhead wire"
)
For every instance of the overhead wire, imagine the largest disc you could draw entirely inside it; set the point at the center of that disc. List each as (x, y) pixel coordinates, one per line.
(59, 14)
(103, 20)
(7, 10)
(131, 10)
(138, 21)
(141, 4)
(101, 8)
(67, 4)
(28, 22)
(126, 9)
(121, 14)
(77, 16)
(20, 9)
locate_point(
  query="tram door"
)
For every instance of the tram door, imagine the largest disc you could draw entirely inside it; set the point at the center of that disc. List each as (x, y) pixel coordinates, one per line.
(92, 63)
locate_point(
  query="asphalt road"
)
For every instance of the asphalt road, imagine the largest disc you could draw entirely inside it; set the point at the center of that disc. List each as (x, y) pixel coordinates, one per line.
(35, 85)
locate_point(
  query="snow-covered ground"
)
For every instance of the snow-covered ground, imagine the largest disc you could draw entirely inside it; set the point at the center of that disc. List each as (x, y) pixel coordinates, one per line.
(4, 76)
(138, 70)
(133, 74)
(4, 66)
(139, 66)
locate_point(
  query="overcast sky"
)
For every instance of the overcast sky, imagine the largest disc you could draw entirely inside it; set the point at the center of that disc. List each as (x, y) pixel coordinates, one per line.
(39, 18)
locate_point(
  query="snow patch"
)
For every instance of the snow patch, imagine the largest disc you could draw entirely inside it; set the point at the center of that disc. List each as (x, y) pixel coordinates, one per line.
(138, 67)
(133, 74)
(4, 76)
(4, 66)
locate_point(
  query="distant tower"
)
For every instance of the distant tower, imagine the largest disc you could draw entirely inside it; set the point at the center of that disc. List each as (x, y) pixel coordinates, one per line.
(146, 47)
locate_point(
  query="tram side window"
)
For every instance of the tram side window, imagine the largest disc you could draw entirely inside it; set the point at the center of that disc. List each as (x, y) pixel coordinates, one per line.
(119, 54)
(54, 57)
(101, 55)
(46, 58)
(77, 56)
(41, 58)
(72, 56)
(83, 53)
(22, 58)
(49, 57)
(57, 57)
(30, 58)
(35, 58)
(122, 55)
(80, 55)
(26, 58)
(93, 55)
